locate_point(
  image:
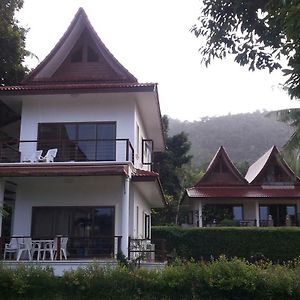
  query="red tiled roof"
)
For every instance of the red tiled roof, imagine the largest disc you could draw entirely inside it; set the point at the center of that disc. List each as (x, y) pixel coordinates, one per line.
(86, 87)
(142, 175)
(60, 169)
(244, 192)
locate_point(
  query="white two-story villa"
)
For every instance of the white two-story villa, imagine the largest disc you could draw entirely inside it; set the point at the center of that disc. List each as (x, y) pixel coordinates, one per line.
(96, 185)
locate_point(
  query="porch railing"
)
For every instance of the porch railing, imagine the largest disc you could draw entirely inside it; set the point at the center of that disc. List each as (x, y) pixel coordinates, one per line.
(147, 250)
(68, 150)
(76, 248)
(248, 223)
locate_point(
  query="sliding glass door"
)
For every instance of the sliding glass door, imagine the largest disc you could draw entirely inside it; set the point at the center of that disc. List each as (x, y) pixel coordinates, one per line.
(90, 229)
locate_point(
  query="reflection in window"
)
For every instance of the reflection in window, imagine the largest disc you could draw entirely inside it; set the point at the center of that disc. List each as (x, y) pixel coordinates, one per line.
(79, 141)
(238, 213)
(263, 212)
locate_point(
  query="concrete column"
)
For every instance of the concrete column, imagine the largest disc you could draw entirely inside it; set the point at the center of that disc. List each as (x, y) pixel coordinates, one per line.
(200, 213)
(125, 217)
(257, 213)
(2, 188)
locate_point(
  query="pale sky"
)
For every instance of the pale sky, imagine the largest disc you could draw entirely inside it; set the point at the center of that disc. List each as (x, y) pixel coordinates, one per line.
(152, 39)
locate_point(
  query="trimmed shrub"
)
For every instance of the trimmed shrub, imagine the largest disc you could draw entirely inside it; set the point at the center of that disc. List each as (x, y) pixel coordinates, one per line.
(27, 283)
(252, 243)
(221, 279)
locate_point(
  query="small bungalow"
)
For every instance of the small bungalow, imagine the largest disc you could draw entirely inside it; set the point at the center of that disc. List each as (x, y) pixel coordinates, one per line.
(269, 194)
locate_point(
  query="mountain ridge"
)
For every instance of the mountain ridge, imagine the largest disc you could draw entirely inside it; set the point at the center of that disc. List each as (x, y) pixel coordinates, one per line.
(245, 136)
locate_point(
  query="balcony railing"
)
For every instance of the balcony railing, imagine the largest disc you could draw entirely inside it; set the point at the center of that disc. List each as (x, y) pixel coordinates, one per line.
(118, 150)
(98, 247)
(248, 223)
(147, 250)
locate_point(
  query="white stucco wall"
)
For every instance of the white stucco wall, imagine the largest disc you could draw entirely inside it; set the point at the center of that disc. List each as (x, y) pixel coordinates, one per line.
(66, 191)
(78, 108)
(143, 135)
(136, 225)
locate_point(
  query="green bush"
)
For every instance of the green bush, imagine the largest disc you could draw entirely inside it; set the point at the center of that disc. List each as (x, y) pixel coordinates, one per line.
(27, 283)
(276, 244)
(221, 279)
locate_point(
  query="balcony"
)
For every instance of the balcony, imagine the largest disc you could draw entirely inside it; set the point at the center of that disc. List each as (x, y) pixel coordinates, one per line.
(104, 150)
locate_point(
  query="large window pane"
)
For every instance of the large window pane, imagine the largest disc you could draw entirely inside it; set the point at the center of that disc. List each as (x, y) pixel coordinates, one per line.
(103, 221)
(86, 131)
(79, 141)
(238, 213)
(263, 212)
(86, 150)
(106, 146)
(106, 131)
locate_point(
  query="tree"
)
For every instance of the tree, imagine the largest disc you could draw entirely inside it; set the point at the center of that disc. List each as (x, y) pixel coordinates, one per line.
(12, 43)
(257, 32)
(170, 166)
(291, 150)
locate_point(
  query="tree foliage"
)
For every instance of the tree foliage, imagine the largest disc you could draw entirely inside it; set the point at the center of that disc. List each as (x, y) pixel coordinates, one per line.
(238, 133)
(169, 163)
(174, 173)
(257, 32)
(12, 43)
(291, 149)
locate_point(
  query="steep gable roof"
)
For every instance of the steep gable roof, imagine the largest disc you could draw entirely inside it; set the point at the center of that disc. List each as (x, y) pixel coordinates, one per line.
(221, 171)
(269, 164)
(79, 56)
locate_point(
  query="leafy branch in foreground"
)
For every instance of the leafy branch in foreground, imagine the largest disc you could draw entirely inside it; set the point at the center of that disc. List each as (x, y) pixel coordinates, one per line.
(258, 33)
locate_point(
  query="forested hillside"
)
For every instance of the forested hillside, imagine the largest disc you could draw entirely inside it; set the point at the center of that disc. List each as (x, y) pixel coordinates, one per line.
(244, 136)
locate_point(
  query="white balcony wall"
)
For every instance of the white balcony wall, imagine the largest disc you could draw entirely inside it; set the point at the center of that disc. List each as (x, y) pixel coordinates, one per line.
(66, 191)
(138, 205)
(78, 108)
(143, 135)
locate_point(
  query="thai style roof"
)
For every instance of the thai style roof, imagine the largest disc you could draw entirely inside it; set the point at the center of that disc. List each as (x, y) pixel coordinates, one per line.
(267, 165)
(79, 56)
(221, 171)
(268, 177)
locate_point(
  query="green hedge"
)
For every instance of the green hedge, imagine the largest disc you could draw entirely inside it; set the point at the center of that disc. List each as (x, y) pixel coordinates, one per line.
(221, 279)
(276, 244)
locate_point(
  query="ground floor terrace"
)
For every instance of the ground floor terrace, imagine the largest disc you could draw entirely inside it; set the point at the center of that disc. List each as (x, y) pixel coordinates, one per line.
(244, 212)
(77, 217)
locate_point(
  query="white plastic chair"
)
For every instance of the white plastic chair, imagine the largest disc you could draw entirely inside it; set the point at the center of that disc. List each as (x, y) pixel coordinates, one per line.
(34, 157)
(49, 157)
(26, 246)
(49, 247)
(11, 247)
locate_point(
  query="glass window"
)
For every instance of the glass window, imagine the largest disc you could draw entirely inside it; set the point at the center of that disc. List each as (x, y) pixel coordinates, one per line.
(69, 131)
(237, 212)
(106, 131)
(79, 141)
(263, 212)
(86, 131)
(291, 210)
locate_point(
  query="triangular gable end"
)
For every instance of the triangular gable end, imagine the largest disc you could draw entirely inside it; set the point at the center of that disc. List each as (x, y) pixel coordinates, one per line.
(79, 56)
(221, 172)
(271, 169)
